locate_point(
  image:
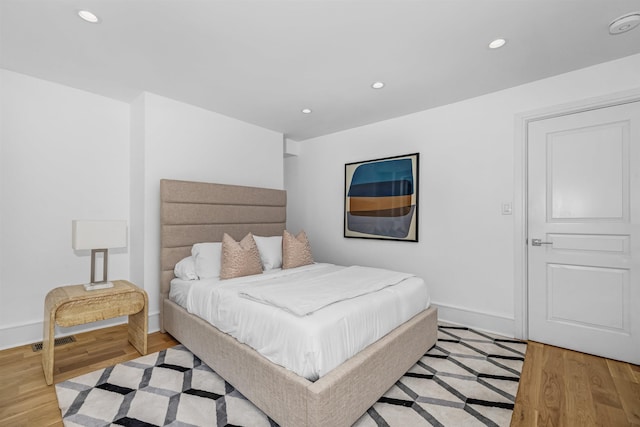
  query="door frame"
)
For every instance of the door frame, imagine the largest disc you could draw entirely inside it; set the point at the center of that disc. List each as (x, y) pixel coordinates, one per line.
(521, 161)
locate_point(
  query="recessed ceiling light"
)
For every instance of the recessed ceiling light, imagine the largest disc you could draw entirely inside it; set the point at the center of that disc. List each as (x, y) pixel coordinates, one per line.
(88, 16)
(306, 111)
(624, 23)
(497, 43)
(377, 85)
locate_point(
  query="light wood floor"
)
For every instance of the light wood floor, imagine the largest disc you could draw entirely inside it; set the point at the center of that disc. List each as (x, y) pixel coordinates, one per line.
(559, 388)
(27, 401)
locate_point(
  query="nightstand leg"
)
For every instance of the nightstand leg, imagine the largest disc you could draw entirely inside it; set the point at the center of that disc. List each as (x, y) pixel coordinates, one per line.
(47, 347)
(138, 324)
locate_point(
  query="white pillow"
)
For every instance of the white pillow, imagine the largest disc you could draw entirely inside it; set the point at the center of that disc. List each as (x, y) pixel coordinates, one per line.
(185, 269)
(270, 249)
(207, 259)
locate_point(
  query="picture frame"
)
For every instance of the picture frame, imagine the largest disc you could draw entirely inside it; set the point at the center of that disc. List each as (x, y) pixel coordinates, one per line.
(381, 198)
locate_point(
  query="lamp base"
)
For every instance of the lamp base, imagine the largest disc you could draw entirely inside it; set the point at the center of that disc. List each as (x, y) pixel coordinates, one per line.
(98, 285)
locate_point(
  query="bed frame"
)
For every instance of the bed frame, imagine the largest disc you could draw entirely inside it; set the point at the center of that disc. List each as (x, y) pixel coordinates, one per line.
(193, 212)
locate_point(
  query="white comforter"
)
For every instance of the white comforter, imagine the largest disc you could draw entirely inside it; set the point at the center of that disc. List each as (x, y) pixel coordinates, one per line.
(311, 293)
(310, 345)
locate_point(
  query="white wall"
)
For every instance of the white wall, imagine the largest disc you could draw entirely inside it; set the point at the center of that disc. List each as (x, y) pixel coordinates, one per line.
(2, 138)
(64, 156)
(67, 154)
(184, 142)
(466, 246)
(136, 190)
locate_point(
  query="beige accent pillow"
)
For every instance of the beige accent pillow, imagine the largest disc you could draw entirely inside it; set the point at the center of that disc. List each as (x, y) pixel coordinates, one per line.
(239, 259)
(296, 250)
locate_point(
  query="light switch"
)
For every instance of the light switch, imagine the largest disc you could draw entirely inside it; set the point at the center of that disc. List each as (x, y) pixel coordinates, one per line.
(506, 209)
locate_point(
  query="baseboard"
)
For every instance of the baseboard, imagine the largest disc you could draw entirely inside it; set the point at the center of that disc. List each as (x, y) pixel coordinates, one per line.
(18, 335)
(482, 321)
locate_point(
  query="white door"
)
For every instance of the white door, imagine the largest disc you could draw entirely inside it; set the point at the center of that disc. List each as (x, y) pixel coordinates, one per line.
(584, 207)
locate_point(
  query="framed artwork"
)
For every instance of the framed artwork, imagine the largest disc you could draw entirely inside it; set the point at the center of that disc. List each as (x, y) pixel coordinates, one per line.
(381, 198)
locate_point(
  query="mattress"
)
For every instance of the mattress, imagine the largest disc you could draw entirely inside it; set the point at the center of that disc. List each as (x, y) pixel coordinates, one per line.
(310, 345)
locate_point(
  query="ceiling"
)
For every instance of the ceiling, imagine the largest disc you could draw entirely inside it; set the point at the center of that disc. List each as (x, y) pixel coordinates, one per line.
(262, 61)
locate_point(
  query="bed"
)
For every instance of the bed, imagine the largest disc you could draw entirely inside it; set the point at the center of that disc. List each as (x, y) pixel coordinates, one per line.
(193, 212)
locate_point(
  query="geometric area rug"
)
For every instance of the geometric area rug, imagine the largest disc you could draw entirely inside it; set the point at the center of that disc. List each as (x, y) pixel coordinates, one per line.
(469, 378)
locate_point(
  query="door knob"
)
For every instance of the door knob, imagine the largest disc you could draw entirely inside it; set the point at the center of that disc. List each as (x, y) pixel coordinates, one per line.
(539, 242)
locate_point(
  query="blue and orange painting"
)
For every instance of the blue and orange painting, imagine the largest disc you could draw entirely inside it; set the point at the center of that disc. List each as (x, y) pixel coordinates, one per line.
(381, 198)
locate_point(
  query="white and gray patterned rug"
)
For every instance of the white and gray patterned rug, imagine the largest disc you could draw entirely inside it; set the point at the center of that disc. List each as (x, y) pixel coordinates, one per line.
(468, 378)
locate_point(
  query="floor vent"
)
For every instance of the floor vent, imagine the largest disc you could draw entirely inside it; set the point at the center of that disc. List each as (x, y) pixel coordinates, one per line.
(58, 341)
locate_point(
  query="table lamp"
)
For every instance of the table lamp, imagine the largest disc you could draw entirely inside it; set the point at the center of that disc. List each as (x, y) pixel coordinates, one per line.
(98, 236)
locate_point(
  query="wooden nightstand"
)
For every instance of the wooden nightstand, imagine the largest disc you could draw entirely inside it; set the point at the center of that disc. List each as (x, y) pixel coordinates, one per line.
(73, 305)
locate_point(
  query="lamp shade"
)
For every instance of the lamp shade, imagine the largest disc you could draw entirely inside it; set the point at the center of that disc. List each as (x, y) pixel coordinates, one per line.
(99, 234)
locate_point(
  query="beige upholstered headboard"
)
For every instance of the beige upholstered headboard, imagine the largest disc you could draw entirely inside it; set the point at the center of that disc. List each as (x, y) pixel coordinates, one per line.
(194, 212)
